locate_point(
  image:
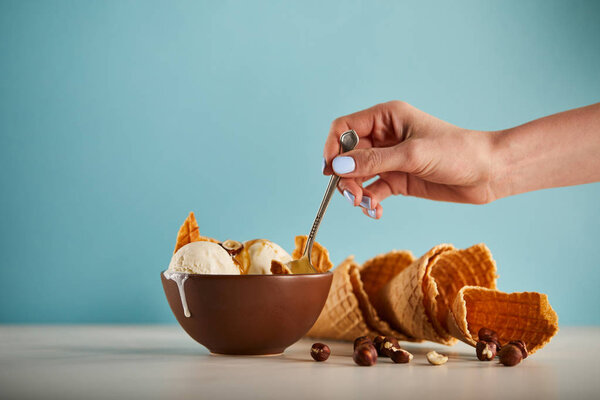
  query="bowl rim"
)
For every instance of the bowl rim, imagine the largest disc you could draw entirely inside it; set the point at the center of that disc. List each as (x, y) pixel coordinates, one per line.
(250, 276)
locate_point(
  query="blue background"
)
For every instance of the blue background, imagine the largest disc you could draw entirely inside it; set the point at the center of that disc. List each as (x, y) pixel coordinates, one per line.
(118, 118)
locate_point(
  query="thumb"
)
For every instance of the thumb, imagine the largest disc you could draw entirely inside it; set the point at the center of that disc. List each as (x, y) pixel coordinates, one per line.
(375, 160)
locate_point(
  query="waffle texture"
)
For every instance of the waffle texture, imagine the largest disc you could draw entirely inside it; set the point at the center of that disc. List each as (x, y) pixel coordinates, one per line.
(189, 232)
(404, 300)
(378, 271)
(319, 256)
(525, 316)
(341, 318)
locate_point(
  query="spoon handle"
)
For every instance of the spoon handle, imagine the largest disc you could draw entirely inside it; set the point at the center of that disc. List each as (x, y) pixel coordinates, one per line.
(348, 141)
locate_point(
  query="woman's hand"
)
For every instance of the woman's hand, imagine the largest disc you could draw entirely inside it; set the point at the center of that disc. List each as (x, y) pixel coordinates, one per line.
(411, 153)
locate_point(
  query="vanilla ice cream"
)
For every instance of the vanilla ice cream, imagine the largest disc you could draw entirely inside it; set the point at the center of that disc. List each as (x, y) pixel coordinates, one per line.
(203, 258)
(260, 253)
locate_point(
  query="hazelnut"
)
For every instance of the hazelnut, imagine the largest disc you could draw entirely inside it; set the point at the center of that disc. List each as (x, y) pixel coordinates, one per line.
(377, 342)
(233, 247)
(320, 352)
(486, 351)
(436, 358)
(388, 345)
(510, 355)
(521, 345)
(488, 335)
(400, 356)
(365, 355)
(362, 340)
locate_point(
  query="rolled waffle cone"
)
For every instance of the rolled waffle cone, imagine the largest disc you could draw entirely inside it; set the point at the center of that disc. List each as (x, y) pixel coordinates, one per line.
(189, 232)
(341, 318)
(368, 311)
(403, 301)
(452, 270)
(319, 256)
(525, 316)
(378, 271)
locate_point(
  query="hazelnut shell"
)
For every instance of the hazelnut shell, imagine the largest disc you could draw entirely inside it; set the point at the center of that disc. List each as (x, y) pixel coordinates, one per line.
(510, 355)
(388, 345)
(486, 351)
(233, 247)
(377, 342)
(487, 335)
(400, 356)
(521, 345)
(320, 352)
(365, 355)
(362, 340)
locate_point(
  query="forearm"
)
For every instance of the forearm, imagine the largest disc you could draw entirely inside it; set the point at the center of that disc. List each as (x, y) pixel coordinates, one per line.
(559, 150)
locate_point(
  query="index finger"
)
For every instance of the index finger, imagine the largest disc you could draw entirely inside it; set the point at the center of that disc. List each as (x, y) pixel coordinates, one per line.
(363, 122)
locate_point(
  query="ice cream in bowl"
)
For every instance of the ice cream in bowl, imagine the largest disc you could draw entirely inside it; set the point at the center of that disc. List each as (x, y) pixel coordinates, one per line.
(238, 297)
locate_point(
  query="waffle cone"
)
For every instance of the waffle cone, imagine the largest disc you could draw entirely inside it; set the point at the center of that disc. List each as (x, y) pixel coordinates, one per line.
(368, 311)
(525, 316)
(403, 302)
(319, 256)
(451, 271)
(341, 318)
(378, 271)
(189, 232)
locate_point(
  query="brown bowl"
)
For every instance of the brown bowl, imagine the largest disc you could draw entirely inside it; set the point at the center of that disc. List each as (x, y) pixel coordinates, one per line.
(249, 314)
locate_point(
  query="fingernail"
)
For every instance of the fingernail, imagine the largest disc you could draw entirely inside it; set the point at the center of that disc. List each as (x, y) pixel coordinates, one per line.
(324, 165)
(372, 213)
(365, 202)
(349, 196)
(343, 165)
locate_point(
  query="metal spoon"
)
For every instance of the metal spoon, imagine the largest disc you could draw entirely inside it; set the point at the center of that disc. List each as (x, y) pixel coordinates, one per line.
(303, 265)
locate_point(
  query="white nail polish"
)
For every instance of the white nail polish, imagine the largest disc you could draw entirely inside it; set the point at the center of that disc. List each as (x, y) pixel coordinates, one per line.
(323, 165)
(349, 196)
(343, 165)
(372, 213)
(365, 202)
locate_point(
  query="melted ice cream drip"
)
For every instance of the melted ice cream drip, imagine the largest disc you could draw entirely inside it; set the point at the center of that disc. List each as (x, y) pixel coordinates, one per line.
(179, 278)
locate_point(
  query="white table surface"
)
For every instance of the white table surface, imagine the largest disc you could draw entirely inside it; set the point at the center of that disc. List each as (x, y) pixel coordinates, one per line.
(162, 362)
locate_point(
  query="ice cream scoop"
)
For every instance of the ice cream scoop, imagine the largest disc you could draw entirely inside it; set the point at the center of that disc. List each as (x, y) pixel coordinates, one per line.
(256, 256)
(203, 258)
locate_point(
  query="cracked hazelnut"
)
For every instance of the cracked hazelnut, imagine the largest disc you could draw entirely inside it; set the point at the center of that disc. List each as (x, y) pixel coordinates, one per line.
(521, 345)
(377, 342)
(233, 247)
(362, 340)
(365, 355)
(436, 358)
(388, 345)
(320, 352)
(486, 351)
(510, 355)
(400, 356)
